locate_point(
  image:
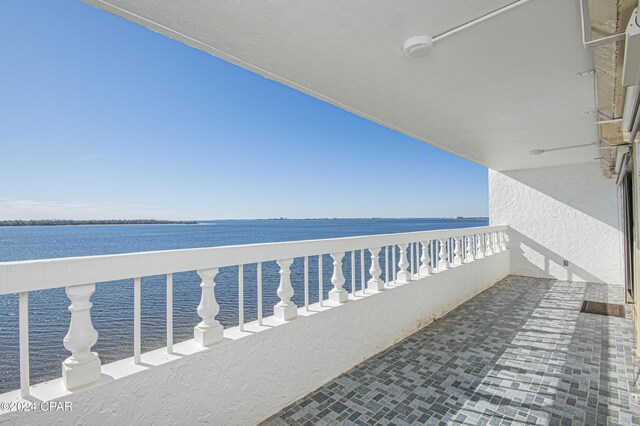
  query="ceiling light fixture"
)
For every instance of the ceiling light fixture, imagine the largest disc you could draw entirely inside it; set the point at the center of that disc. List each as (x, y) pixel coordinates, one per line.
(542, 151)
(417, 47)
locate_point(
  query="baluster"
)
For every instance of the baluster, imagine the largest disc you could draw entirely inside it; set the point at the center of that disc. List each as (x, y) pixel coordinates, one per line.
(483, 236)
(337, 293)
(457, 260)
(425, 267)
(505, 238)
(306, 283)
(470, 249)
(259, 285)
(375, 283)
(241, 297)
(83, 366)
(433, 252)
(386, 265)
(137, 324)
(320, 280)
(209, 330)
(410, 259)
(393, 264)
(444, 256)
(496, 244)
(478, 241)
(486, 244)
(169, 313)
(413, 259)
(362, 270)
(353, 273)
(23, 330)
(286, 310)
(403, 275)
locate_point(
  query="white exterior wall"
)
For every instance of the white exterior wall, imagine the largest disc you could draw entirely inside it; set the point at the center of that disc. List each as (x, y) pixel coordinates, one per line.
(560, 213)
(243, 381)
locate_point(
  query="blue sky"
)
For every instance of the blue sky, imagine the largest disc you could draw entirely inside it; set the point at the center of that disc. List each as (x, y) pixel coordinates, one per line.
(101, 118)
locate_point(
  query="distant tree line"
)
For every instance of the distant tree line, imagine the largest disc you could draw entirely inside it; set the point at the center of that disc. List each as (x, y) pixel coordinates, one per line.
(54, 222)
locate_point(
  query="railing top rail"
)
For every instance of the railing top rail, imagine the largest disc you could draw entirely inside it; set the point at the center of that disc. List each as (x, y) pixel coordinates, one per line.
(44, 274)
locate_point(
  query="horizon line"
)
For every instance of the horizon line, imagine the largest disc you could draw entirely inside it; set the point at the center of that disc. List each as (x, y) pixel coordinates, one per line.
(255, 218)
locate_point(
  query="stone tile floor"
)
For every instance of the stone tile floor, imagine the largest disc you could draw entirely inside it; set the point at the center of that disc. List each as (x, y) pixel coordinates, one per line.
(519, 353)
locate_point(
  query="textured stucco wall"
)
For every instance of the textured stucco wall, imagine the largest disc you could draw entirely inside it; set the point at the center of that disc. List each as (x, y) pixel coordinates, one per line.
(241, 382)
(560, 213)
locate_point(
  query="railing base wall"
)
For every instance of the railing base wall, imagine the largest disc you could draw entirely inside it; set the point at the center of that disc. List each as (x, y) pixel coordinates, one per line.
(251, 376)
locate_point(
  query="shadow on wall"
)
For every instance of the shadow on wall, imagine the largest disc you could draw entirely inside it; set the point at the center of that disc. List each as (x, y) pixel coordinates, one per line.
(578, 186)
(543, 263)
(559, 213)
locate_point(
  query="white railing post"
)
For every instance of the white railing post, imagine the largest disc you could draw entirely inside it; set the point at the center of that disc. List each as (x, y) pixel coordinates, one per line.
(425, 260)
(403, 276)
(486, 244)
(443, 255)
(286, 310)
(169, 313)
(23, 331)
(353, 273)
(393, 264)
(83, 366)
(306, 283)
(362, 270)
(479, 250)
(496, 246)
(320, 280)
(375, 283)
(457, 259)
(208, 331)
(505, 239)
(470, 248)
(386, 264)
(337, 293)
(259, 291)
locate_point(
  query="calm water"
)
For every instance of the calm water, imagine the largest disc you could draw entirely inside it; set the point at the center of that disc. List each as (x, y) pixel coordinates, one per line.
(113, 301)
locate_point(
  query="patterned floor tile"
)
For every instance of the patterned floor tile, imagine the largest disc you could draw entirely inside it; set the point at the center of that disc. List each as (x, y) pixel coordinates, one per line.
(519, 353)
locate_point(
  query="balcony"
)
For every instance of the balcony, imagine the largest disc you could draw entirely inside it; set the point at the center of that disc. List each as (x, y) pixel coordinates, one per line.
(473, 325)
(261, 366)
(520, 352)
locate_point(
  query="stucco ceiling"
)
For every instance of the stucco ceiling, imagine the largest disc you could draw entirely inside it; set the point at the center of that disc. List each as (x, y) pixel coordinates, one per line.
(490, 93)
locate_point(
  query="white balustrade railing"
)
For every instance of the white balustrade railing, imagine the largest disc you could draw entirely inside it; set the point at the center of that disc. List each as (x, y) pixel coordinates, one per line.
(420, 254)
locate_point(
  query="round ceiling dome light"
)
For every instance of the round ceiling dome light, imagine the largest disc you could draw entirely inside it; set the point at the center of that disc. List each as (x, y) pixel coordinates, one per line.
(417, 47)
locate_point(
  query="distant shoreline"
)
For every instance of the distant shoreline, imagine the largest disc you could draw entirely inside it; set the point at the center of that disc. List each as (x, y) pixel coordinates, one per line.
(62, 222)
(69, 222)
